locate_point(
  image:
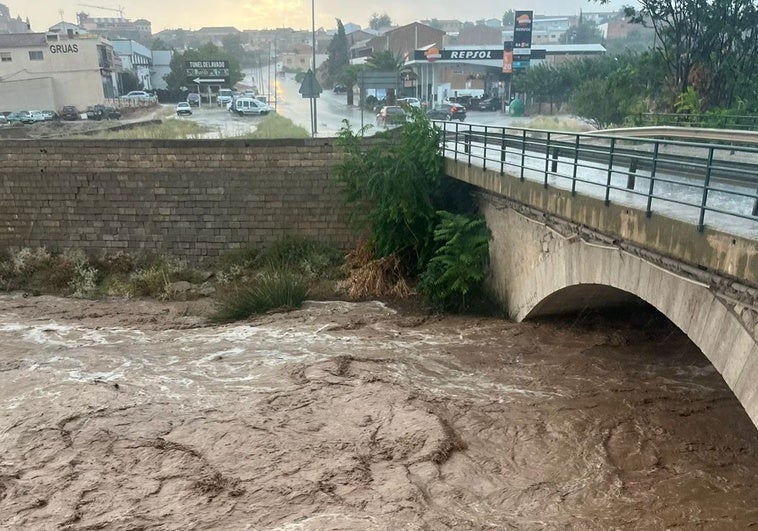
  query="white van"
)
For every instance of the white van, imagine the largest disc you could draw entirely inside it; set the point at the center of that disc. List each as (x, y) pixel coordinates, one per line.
(250, 106)
(224, 97)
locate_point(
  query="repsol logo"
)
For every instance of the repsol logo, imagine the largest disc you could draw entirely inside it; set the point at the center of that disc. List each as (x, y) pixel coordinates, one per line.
(64, 48)
(471, 54)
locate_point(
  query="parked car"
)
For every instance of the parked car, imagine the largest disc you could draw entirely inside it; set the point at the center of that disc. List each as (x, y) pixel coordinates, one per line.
(50, 116)
(17, 117)
(138, 95)
(224, 97)
(183, 108)
(409, 102)
(391, 115)
(249, 107)
(339, 88)
(448, 111)
(70, 113)
(32, 117)
(101, 112)
(3, 120)
(489, 104)
(193, 98)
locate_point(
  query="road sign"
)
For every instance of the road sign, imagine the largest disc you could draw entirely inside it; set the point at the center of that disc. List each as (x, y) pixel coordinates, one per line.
(310, 87)
(378, 79)
(212, 71)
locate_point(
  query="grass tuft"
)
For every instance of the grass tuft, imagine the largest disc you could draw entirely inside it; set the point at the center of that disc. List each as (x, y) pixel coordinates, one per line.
(278, 289)
(277, 126)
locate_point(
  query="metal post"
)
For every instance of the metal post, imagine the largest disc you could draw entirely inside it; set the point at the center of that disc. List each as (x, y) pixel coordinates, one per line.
(610, 173)
(467, 142)
(547, 158)
(706, 186)
(648, 209)
(576, 165)
(755, 206)
(523, 151)
(631, 177)
(456, 141)
(503, 146)
(484, 157)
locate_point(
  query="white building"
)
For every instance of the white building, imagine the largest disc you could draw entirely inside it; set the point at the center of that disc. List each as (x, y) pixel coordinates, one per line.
(136, 58)
(161, 68)
(48, 71)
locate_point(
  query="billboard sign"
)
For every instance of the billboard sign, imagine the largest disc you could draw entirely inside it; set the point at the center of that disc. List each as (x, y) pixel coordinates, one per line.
(508, 57)
(212, 71)
(464, 55)
(522, 32)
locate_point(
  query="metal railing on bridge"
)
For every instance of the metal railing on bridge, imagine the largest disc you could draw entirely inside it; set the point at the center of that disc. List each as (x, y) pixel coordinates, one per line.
(725, 121)
(693, 181)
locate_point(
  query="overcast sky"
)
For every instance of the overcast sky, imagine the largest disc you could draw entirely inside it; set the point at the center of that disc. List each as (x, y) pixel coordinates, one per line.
(255, 14)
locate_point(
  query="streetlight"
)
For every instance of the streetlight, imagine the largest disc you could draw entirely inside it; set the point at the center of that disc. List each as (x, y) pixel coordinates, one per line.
(314, 127)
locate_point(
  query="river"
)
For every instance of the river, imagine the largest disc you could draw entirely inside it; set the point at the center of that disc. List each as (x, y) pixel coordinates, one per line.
(355, 416)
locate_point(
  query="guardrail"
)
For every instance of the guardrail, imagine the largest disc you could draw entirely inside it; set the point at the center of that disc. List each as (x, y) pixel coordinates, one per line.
(686, 180)
(744, 122)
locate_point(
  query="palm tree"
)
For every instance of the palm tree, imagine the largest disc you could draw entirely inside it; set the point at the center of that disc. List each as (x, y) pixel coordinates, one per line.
(386, 61)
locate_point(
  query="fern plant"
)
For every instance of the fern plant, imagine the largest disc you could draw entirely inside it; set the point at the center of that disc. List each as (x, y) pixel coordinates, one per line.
(459, 265)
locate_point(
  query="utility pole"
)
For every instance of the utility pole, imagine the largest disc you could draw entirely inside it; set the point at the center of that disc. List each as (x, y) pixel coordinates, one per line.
(314, 128)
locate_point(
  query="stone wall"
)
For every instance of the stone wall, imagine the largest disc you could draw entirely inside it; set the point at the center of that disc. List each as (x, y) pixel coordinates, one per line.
(194, 199)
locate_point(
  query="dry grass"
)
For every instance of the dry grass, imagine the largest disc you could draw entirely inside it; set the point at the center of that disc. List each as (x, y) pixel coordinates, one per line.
(369, 277)
(557, 123)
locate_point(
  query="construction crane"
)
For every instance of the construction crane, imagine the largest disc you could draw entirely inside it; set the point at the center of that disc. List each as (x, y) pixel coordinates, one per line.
(120, 9)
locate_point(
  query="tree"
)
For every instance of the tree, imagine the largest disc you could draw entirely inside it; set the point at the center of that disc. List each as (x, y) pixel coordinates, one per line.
(232, 44)
(338, 52)
(386, 61)
(509, 18)
(377, 21)
(129, 82)
(177, 78)
(709, 44)
(349, 76)
(582, 33)
(159, 44)
(393, 186)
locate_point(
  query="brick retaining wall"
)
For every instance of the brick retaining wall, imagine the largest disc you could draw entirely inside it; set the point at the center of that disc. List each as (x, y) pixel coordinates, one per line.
(189, 198)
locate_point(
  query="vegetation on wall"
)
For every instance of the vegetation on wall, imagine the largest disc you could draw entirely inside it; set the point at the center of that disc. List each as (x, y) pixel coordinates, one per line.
(395, 187)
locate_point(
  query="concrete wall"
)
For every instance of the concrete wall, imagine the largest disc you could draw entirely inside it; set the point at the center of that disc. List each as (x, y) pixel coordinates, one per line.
(188, 198)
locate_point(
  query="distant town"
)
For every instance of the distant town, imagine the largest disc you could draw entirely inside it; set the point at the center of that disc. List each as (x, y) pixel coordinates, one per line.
(93, 59)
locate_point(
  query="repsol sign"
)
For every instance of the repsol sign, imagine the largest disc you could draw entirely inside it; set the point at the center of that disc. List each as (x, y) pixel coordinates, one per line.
(462, 55)
(64, 48)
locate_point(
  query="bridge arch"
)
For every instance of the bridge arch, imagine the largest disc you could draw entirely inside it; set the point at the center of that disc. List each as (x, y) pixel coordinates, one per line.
(537, 272)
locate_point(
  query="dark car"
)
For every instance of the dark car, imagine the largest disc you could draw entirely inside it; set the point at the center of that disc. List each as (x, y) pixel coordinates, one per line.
(70, 113)
(101, 112)
(448, 111)
(391, 115)
(339, 88)
(193, 98)
(489, 104)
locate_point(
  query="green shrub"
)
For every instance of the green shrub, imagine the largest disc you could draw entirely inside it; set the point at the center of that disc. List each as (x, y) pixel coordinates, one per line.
(277, 126)
(458, 266)
(306, 257)
(278, 289)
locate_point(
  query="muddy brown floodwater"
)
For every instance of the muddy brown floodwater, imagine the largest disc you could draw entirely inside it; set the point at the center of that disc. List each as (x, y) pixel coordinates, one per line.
(131, 415)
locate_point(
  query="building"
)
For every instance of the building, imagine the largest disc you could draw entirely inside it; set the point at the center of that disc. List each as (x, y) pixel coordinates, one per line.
(12, 25)
(48, 71)
(161, 68)
(476, 70)
(401, 41)
(67, 29)
(137, 59)
(116, 27)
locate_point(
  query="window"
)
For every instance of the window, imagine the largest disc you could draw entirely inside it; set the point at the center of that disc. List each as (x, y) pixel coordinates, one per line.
(35, 55)
(5, 57)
